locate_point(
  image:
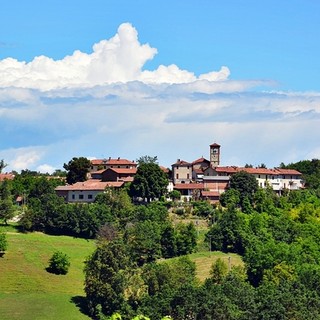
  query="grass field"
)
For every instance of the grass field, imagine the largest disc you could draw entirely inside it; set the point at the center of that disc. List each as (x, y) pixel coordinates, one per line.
(28, 291)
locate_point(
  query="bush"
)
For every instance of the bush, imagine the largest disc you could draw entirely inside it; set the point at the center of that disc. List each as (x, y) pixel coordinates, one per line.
(3, 243)
(59, 263)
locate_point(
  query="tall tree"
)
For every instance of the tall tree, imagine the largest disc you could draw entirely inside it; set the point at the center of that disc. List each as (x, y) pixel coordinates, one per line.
(246, 184)
(150, 182)
(2, 165)
(77, 169)
(6, 204)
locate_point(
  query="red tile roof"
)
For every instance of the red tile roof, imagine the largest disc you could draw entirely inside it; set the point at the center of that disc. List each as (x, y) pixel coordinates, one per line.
(229, 170)
(113, 162)
(258, 171)
(288, 171)
(91, 184)
(6, 176)
(187, 186)
(210, 193)
(215, 145)
(123, 170)
(182, 163)
(200, 160)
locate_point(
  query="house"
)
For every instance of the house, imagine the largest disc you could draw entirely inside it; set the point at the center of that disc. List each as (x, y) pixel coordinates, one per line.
(85, 192)
(6, 176)
(103, 164)
(189, 191)
(214, 179)
(181, 172)
(119, 174)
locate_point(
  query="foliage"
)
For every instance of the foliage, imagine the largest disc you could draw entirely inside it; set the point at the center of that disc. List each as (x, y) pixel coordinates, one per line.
(149, 183)
(246, 184)
(147, 159)
(202, 208)
(77, 169)
(59, 263)
(6, 204)
(106, 278)
(218, 271)
(2, 165)
(3, 242)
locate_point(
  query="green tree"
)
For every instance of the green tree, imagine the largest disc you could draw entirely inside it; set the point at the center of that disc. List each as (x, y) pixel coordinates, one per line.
(147, 159)
(59, 263)
(6, 204)
(218, 271)
(149, 183)
(2, 165)
(143, 239)
(77, 169)
(3, 243)
(246, 184)
(186, 238)
(106, 279)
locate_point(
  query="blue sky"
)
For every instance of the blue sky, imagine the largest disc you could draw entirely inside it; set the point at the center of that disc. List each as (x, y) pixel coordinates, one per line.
(166, 78)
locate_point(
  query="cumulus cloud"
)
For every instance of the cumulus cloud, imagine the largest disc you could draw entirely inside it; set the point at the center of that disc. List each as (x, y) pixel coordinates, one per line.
(119, 59)
(105, 104)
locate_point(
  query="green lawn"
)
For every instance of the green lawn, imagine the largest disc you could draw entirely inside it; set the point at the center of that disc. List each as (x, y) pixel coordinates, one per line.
(28, 291)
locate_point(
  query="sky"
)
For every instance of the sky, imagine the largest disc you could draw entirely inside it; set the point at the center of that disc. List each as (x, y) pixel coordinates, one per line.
(123, 78)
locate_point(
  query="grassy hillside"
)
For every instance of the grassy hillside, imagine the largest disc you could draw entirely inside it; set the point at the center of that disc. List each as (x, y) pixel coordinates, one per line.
(28, 291)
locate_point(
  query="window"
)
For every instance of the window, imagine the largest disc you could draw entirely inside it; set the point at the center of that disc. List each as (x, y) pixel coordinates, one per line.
(177, 176)
(73, 197)
(80, 196)
(90, 196)
(188, 176)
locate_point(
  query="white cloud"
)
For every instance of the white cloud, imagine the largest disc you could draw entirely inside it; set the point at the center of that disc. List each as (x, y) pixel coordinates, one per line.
(104, 104)
(119, 59)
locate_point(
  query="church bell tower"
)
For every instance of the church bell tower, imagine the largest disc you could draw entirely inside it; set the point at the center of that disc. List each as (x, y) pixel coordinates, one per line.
(214, 155)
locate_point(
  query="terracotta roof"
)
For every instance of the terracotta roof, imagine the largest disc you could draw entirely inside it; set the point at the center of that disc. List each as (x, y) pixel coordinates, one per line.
(164, 169)
(215, 145)
(187, 186)
(91, 184)
(200, 160)
(210, 193)
(258, 171)
(111, 162)
(288, 171)
(182, 163)
(6, 176)
(123, 170)
(229, 170)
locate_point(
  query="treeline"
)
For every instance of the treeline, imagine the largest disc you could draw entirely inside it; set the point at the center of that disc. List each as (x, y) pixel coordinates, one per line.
(278, 238)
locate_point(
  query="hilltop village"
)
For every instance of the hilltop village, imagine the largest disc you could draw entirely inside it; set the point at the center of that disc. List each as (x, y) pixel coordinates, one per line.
(206, 179)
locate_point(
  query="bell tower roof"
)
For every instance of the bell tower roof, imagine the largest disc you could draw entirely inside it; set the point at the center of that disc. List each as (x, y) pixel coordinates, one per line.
(215, 145)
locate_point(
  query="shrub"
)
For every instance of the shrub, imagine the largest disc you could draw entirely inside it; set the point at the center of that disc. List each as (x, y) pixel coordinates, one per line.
(59, 263)
(3, 243)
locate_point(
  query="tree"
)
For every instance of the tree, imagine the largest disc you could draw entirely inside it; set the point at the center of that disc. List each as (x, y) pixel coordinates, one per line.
(59, 263)
(106, 279)
(147, 159)
(6, 204)
(77, 169)
(246, 184)
(3, 243)
(2, 165)
(218, 271)
(143, 240)
(150, 182)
